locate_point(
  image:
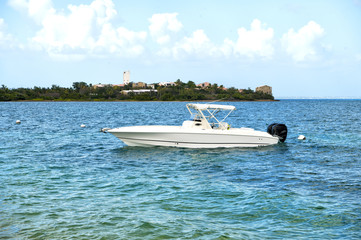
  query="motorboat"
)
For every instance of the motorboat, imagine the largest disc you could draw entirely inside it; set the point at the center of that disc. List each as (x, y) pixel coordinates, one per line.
(203, 130)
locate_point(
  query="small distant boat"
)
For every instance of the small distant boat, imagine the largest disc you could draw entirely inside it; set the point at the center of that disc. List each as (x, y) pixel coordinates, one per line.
(204, 130)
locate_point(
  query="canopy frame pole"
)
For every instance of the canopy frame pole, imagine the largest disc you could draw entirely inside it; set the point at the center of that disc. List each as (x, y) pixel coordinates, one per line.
(211, 111)
(201, 112)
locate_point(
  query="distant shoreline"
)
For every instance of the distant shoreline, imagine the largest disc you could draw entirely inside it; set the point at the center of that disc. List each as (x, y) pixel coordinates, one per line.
(210, 101)
(204, 101)
(178, 91)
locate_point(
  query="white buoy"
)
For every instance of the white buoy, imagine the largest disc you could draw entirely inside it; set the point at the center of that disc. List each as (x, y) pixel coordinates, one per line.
(18, 121)
(301, 137)
(83, 126)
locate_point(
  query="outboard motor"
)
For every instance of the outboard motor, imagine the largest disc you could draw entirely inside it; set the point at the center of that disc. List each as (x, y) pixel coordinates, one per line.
(278, 130)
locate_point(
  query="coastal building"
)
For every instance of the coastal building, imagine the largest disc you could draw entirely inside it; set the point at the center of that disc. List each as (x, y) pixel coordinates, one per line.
(265, 89)
(126, 92)
(95, 86)
(126, 77)
(139, 85)
(152, 85)
(167, 84)
(204, 85)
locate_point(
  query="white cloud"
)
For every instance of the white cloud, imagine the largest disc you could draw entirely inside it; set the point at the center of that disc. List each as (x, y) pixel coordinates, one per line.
(120, 41)
(258, 41)
(198, 44)
(302, 45)
(163, 28)
(86, 30)
(7, 41)
(18, 4)
(36, 9)
(162, 24)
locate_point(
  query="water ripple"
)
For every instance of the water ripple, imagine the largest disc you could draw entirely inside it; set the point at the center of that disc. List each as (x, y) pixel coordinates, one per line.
(60, 181)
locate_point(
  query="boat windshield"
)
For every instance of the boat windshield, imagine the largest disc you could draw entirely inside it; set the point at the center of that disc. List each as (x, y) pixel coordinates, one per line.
(208, 113)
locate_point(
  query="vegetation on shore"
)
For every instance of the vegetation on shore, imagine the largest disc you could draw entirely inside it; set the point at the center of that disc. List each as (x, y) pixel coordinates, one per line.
(81, 91)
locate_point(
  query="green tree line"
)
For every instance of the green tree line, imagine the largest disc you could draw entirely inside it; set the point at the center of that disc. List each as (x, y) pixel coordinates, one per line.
(81, 91)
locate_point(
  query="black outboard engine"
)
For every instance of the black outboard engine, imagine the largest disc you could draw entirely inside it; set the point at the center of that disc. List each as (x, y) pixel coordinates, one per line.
(278, 130)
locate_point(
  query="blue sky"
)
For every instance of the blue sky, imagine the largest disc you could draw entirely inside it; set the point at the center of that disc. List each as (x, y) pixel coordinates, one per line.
(300, 48)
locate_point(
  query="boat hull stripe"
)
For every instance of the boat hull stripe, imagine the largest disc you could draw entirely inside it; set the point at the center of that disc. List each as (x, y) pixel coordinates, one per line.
(150, 140)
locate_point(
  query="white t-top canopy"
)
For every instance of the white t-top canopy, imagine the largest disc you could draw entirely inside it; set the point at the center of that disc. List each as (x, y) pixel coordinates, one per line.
(199, 106)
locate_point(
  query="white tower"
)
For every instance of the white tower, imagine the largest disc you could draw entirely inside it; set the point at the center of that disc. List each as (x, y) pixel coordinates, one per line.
(126, 77)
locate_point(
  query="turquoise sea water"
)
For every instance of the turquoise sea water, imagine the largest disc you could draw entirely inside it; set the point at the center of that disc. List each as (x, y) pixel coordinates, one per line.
(61, 181)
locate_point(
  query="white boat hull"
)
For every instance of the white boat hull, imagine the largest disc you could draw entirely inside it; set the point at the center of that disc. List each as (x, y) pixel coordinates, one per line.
(176, 136)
